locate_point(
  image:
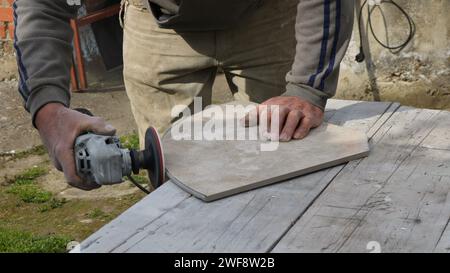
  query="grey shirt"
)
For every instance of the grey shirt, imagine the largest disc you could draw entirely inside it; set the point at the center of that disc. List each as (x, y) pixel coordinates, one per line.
(43, 42)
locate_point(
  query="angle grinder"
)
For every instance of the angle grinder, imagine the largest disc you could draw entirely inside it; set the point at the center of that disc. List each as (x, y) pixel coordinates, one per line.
(103, 160)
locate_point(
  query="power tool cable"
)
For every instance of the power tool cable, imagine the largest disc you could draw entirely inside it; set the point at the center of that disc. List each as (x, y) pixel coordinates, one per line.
(132, 180)
(370, 9)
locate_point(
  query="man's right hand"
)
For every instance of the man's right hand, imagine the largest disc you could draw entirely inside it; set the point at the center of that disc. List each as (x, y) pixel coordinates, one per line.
(59, 126)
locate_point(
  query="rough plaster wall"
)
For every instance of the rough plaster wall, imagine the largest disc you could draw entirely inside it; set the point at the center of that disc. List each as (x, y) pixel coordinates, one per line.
(417, 76)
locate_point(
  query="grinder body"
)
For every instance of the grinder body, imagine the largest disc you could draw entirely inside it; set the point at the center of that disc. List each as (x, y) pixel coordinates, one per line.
(103, 160)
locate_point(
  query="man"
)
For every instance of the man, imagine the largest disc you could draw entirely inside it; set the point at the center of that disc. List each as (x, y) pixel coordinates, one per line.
(172, 50)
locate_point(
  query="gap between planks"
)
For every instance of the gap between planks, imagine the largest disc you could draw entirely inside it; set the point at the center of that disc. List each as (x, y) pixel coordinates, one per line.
(373, 130)
(118, 233)
(335, 222)
(158, 240)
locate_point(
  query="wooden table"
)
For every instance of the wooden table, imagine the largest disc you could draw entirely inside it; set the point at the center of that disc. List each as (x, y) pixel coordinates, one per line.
(395, 200)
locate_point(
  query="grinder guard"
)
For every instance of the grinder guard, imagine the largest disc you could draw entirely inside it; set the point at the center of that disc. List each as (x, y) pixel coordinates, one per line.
(151, 159)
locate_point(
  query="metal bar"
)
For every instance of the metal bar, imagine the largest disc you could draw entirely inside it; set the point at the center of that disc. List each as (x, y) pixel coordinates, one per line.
(99, 15)
(78, 55)
(73, 77)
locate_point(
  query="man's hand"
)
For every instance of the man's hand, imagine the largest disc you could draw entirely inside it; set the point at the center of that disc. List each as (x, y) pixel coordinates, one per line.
(59, 127)
(296, 117)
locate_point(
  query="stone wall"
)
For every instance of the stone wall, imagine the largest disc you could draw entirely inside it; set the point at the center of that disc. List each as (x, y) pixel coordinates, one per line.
(419, 75)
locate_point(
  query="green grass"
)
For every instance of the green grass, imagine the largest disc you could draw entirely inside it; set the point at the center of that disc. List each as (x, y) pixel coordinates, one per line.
(24, 186)
(30, 193)
(14, 241)
(130, 141)
(141, 179)
(97, 213)
(54, 203)
(37, 150)
(66, 221)
(29, 175)
(34, 220)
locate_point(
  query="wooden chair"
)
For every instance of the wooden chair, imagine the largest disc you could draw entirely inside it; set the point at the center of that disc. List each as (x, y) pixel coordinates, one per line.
(78, 73)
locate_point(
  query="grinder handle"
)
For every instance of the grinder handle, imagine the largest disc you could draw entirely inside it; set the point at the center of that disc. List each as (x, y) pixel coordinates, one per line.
(84, 111)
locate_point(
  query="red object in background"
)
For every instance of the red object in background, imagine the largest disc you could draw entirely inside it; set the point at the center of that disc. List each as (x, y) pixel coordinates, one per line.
(78, 74)
(6, 20)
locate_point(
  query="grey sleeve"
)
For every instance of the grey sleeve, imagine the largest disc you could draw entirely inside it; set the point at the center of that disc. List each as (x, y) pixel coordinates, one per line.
(323, 31)
(43, 44)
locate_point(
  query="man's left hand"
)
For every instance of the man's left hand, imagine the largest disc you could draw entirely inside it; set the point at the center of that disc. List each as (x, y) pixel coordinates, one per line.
(296, 116)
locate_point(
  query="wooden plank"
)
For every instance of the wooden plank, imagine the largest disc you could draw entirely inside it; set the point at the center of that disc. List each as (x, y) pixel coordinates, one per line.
(249, 222)
(99, 15)
(442, 132)
(81, 73)
(253, 221)
(443, 246)
(439, 138)
(397, 198)
(135, 219)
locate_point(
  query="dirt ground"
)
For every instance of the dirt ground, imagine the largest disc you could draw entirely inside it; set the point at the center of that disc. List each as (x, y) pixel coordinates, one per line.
(18, 134)
(45, 206)
(76, 214)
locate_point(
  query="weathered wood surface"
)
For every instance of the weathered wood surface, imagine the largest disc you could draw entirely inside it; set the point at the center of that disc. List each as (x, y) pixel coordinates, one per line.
(398, 197)
(250, 222)
(135, 219)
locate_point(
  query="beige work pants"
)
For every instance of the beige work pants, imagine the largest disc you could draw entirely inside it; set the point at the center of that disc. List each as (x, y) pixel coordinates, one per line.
(164, 68)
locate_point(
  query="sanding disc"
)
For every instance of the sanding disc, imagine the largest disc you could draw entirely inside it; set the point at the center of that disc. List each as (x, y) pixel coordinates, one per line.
(156, 168)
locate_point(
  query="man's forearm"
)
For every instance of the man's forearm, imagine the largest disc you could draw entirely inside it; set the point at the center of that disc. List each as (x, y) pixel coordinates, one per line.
(43, 43)
(323, 31)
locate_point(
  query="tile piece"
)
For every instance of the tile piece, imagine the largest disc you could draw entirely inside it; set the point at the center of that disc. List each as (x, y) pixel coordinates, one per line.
(214, 169)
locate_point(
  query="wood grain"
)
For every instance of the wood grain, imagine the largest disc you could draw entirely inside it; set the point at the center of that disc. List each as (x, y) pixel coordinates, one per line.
(252, 221)
(135, 219)
(169, 220)
(398, 197)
